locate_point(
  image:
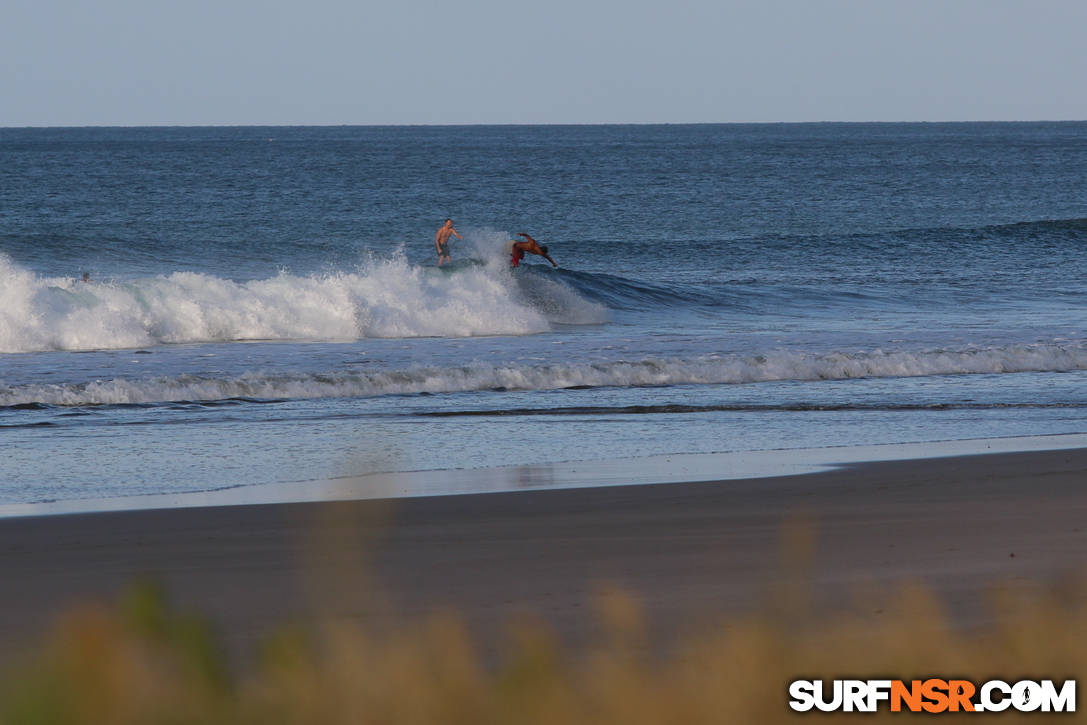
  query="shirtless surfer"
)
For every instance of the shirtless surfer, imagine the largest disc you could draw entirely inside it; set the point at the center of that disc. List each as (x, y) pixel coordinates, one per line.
(441, 240)
(518, 249)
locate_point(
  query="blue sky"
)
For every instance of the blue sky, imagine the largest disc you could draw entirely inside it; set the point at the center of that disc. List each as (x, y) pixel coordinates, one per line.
(133, 62)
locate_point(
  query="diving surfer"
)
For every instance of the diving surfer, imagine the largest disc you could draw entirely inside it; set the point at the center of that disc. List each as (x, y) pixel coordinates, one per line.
(441, 240)
(518, 250)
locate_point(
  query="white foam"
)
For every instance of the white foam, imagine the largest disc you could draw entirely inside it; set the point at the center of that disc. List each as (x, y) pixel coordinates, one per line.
(383, 298)
(716, 369)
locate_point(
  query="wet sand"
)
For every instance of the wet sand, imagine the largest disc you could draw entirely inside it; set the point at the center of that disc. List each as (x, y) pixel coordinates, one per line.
(689, 551)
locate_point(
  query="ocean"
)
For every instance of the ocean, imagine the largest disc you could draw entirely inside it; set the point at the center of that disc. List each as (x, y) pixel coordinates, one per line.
(265, 306)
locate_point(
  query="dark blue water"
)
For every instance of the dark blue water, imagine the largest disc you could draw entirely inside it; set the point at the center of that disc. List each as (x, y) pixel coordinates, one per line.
(265, 305)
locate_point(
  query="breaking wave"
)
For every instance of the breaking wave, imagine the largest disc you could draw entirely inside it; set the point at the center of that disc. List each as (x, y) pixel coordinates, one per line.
(713, 369)
(387, 298)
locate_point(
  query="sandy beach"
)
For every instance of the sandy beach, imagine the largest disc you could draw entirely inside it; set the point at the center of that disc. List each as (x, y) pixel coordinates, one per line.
(688, 551)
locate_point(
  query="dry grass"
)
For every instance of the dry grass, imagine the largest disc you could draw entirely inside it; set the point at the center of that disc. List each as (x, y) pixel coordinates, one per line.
(139, 662)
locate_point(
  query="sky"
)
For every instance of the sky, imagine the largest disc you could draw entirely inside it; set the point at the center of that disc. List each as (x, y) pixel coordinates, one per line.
(330, 62)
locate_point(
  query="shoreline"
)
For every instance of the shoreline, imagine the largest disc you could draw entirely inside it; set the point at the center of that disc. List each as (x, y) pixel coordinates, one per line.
(687, 551)
(650, 470)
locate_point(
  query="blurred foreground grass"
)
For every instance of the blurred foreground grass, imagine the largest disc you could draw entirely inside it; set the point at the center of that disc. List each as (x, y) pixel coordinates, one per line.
(140, 662)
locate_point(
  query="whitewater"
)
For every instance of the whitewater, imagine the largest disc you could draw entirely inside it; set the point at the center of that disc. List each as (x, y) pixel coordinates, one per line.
(711, 370)
(384, 298)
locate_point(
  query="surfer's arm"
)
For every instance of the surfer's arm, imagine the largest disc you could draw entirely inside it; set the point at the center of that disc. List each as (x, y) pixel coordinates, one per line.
(456, 234)
(548, 259)
(522, 234)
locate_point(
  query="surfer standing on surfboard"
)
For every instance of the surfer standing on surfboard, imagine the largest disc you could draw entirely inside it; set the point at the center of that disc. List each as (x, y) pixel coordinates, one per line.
(518, 249)
(441, 240)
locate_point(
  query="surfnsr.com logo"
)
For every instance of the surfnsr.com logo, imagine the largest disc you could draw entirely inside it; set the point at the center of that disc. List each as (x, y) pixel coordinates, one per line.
(932, 695)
